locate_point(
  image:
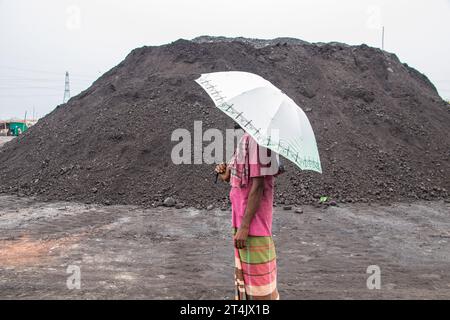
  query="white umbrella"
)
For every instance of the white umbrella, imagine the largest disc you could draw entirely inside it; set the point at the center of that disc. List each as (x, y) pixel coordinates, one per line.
(272, 118)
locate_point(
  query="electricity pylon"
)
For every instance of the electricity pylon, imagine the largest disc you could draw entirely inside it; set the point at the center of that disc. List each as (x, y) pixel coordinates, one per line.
(66, 89)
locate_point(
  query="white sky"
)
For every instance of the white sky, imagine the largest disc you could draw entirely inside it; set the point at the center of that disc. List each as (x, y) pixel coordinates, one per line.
(42, 39)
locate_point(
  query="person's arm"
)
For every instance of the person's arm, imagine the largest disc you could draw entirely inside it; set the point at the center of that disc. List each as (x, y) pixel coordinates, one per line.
(254, 200)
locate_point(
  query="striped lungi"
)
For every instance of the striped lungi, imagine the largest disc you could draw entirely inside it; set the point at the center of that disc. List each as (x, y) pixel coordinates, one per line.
(256, 270)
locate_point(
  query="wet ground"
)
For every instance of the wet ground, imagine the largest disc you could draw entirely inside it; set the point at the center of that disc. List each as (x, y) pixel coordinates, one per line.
(128, 252)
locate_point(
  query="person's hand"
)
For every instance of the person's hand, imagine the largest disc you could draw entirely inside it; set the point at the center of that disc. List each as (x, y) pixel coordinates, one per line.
(240, 238)
(221, 168)
(223, 172)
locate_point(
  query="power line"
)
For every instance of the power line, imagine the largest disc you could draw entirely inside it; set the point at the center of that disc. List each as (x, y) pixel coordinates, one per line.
(37, 87)
(29, 86)
(42, 79)
(54, 79)
(29, 96)
(44, 71)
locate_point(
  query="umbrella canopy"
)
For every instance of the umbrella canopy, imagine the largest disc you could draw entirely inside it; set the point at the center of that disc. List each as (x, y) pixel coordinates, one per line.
(273, 119)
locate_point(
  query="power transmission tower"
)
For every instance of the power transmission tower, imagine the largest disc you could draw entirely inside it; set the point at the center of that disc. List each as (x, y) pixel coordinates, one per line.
(382, 39)
(66, 89)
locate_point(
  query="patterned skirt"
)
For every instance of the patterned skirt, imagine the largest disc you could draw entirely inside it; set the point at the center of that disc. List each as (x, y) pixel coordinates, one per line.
(256, 270)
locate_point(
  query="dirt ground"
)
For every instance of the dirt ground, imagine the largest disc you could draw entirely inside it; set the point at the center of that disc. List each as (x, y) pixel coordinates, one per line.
(129, 252)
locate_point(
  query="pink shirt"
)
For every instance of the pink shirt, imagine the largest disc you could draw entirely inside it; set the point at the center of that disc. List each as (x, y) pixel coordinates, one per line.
(261, 224)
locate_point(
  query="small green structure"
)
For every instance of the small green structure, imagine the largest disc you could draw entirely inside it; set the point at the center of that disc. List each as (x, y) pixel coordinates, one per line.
(16, 128)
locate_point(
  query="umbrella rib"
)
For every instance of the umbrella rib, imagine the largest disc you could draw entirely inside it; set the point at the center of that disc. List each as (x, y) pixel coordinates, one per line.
(281, 148)
(214, 93)
(249, 122)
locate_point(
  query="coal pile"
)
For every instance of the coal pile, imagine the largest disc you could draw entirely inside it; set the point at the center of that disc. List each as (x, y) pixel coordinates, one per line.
(381, 127)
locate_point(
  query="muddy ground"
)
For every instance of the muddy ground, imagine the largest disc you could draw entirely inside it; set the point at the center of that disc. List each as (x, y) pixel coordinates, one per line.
(128, 252)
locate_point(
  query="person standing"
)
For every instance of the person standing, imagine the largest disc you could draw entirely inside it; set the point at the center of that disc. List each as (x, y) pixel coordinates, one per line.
(251, 173)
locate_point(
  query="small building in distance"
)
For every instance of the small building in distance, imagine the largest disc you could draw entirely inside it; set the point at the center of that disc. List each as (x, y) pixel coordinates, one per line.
(15, 127)
(4, 128)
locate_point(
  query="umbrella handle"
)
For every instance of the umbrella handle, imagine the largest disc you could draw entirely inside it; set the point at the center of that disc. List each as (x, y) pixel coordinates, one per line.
(217, 177)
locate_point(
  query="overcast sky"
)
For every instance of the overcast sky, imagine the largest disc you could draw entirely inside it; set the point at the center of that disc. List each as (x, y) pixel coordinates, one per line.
(42, 39)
